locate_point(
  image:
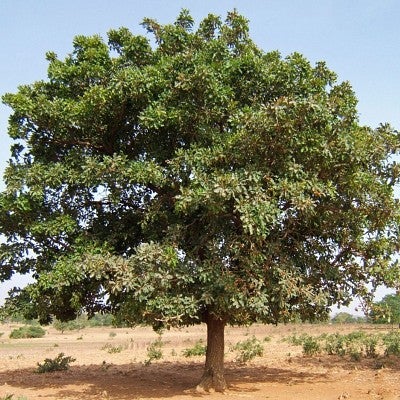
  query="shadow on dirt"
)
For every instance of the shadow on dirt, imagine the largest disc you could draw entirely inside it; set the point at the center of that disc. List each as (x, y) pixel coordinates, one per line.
(166, 379)
(159, 380)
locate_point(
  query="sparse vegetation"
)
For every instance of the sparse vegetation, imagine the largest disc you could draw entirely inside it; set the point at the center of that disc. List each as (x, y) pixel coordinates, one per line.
(311, 346)
(248, 349)
(154, 351)
(60, 363)
(199, 349)
(356, 344)
(112, 349)
(392, 343)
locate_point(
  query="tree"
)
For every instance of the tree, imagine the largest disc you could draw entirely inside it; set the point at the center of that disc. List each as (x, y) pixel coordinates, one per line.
(196, 180)
(346, 318)
(386, 311)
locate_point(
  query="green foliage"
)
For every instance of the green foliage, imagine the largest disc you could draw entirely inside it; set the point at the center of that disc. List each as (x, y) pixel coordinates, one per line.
(154, 351)
(30, 331)
(386, 311)
(248, 349)
(297, 340)
(199, 349)
(335, 344)
(59, 363)
(311, 346)
(356, 344)
(83, 321)
(75, 324)
(346, 318)
(392, 343)
(197, 176)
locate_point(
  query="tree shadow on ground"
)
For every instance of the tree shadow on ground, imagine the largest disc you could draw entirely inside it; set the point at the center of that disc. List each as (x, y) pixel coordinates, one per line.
(158, 380)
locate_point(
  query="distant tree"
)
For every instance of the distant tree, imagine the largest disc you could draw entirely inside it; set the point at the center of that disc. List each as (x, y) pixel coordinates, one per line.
(199, 180)
(386, 311)
(346, 318)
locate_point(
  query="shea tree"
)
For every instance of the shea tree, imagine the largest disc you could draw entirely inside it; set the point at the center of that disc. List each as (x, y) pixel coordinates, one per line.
(194, 179)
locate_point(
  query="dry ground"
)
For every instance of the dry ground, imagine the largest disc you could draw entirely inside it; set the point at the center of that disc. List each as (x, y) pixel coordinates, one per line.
(283, 373)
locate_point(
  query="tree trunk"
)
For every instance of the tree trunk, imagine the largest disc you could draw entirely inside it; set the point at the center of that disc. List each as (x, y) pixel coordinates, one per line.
(213, 377)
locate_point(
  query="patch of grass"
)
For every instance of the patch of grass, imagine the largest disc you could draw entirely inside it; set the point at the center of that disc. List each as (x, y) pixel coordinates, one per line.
(30, 331)
(248, 349)
(60, 363)
(11, 397)
(199, 349)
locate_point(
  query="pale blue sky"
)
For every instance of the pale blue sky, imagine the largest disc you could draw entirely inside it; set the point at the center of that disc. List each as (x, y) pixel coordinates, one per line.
(359, 40)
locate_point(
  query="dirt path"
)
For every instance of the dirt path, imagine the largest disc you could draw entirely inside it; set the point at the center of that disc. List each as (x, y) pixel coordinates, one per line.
(110, 365)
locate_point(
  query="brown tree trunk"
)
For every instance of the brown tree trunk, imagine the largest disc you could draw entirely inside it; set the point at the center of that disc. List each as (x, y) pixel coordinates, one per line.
(213, 377)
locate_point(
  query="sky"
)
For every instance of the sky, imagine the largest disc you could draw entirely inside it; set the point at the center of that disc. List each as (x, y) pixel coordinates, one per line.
(358, 39)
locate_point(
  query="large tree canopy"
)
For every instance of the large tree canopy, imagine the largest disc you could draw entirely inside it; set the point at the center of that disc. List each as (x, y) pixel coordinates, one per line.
(195, 179)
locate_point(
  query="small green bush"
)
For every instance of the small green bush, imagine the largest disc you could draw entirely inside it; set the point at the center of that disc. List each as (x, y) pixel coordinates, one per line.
(154, 351)
(296, 340)
(311, 346)
(199, 349)
(355, 344)
(392, 343)
(30, 331)
(371, 343)
(248, 349)
(60, 363)
(335, 344)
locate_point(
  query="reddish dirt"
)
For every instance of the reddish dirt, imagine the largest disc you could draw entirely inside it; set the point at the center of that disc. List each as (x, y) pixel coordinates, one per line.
(110, 366)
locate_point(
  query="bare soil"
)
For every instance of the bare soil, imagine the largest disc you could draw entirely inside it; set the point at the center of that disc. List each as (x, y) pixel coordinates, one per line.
(110, 365)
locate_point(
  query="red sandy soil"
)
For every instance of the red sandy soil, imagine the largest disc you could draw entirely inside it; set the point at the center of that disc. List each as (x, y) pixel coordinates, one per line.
(110, 365)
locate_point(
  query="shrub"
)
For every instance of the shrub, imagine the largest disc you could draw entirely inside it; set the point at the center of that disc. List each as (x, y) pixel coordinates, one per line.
(154, 351)
(112, 349)
(248, 349)
(392, 343)
(311, 346)
(199, 349)
(60, 363)
(24, 332)
(335, 344)
(296, 340)
(370, 343)
(355, 344)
